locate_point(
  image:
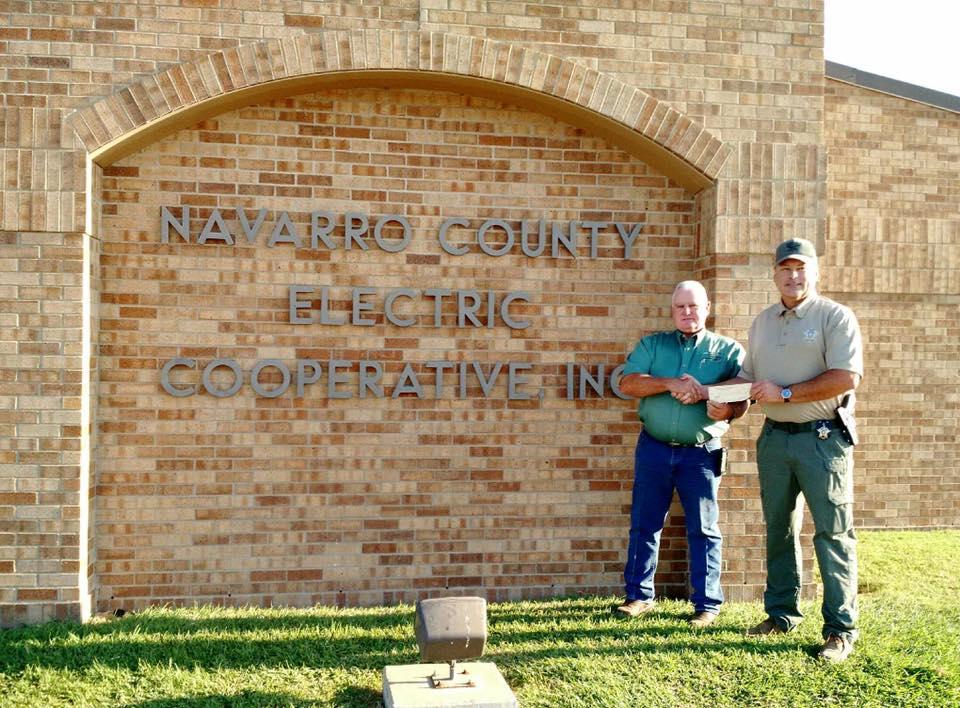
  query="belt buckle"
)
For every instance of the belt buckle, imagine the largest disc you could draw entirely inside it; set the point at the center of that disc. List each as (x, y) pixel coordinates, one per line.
(823, 430)
(674, 444)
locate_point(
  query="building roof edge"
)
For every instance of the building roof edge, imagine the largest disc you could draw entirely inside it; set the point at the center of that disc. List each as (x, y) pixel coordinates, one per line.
(902, 89)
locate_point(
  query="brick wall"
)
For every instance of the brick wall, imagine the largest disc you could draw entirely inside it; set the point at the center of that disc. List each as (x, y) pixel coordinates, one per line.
(702, 58)
(127, 468)
(313, 499)
(40, 400)
(893, 250)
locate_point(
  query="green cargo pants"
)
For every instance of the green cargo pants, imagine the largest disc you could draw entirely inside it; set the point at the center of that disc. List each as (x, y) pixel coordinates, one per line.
(791, 463)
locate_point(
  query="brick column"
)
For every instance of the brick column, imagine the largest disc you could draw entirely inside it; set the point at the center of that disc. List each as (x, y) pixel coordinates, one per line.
(42, 475)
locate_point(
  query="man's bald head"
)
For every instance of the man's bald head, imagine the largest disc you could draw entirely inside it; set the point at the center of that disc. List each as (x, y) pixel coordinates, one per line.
(690, 306)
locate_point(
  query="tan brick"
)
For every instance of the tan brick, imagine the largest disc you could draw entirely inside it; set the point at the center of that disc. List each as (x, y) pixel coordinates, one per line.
(398, 498)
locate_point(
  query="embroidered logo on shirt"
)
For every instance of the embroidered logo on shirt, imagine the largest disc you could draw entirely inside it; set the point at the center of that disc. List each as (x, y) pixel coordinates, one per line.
(810, 335)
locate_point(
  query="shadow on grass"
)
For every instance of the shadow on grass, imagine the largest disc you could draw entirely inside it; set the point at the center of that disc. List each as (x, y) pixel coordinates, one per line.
(239, 700)
(290, 620)
(352, 696)
(357, 696)
(340, 641)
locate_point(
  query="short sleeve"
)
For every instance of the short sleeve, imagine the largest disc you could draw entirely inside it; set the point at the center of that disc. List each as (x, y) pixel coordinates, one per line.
(746, 365)
(641, 358)
(843, 342)
(737, 358)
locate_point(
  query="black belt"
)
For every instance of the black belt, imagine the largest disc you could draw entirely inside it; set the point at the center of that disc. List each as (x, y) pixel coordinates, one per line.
(808, 427)
(670, 443)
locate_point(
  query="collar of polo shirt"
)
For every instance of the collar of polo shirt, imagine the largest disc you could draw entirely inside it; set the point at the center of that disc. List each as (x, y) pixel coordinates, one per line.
(681, 337)
(800, 310)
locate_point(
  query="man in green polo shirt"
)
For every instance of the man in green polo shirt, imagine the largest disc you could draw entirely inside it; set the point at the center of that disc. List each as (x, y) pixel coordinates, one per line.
(679, 448)
(804, 357)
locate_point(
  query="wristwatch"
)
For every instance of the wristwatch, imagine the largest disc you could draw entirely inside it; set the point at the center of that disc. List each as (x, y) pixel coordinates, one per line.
(786, 394)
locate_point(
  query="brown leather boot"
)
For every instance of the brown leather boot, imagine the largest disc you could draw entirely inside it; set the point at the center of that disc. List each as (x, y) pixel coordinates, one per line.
(635, 608)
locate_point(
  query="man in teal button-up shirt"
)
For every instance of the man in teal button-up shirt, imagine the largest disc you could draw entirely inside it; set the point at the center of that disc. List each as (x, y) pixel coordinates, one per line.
(680, 449)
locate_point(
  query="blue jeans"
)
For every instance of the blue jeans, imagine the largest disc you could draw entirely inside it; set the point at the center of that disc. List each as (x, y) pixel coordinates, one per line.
(695, 474)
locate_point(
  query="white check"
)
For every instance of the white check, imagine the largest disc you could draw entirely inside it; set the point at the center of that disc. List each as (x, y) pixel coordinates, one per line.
(730, 393)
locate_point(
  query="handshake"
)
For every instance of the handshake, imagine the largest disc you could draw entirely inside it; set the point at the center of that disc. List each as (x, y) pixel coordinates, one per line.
(688, 391)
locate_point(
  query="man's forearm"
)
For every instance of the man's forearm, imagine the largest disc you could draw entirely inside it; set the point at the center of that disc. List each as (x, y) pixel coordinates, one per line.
(829, 384)
(643, 385)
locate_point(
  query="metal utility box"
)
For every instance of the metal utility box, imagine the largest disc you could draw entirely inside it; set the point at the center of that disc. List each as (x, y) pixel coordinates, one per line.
(451, 628)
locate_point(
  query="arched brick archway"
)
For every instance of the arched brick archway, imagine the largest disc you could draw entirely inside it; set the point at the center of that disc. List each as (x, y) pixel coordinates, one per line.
(141, 114)
(144, 113)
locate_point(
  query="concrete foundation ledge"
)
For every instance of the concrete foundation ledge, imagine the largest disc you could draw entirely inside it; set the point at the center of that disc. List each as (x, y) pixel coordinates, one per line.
(21, 614)
(409, 685)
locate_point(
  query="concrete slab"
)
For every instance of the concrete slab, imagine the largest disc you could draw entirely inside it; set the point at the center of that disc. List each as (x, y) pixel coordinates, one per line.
(409, 686)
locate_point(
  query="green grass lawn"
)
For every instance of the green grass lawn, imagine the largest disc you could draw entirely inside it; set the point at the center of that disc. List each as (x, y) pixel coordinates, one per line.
(566, 652)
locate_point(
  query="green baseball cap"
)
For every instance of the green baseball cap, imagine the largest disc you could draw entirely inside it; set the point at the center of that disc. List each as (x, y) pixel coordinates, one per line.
(798, 248)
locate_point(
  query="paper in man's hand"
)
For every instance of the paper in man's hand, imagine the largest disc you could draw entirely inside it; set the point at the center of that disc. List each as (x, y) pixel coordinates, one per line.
(729, 393)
